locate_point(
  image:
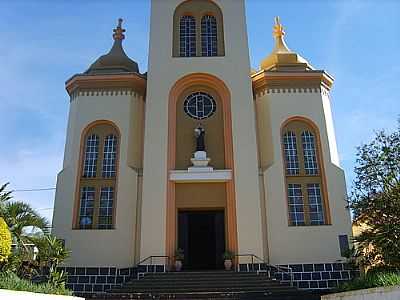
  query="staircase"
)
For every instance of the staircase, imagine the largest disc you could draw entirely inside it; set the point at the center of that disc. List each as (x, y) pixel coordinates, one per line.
(208, 285)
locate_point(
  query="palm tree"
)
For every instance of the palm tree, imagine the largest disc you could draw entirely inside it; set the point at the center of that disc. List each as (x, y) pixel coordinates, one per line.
(19, 217)
(4, 196)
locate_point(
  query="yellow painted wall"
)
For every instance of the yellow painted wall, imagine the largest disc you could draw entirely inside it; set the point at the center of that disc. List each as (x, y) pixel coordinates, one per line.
(233, 69)
(100, 247)
(200, 195)
(261, 203)
(301, 244)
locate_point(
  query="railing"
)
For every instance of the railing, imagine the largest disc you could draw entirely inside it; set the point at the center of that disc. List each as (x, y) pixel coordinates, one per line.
(257, 260)
(148, 263)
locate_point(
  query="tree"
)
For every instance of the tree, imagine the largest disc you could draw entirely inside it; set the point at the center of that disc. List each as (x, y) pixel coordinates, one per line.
(4, 196)
(20, 216)
(5, 241)
(51, 254)
(375, 200)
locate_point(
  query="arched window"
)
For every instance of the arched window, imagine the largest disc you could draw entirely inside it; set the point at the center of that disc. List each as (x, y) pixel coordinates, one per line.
(106, 208)
(187, 36)
(290, 148)
(91, 155)
(109, 156)
(296, 204)
(307, 203)
(310, 159)
(86, 207)
(209, 45)
(97, 182)
(198, 29)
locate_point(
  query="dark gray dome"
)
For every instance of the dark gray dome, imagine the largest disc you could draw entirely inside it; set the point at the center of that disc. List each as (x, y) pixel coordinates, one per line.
(115, 61)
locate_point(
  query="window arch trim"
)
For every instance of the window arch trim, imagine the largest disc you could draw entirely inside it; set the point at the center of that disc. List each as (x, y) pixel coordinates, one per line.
(101, 181)
(320, 161)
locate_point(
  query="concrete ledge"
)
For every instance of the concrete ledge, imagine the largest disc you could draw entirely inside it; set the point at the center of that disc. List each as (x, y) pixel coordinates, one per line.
(381, 293)
(184, 176)
(17, 295)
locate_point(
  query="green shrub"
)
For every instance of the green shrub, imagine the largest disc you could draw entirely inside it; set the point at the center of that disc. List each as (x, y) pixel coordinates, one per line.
(228, 255)
(10, 281)
(371, 280)
(5, 241)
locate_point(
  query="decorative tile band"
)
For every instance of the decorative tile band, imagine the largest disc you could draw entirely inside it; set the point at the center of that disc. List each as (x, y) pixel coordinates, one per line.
(97, 279)
(289, 90)
(92, 280)
(104, 92)
(309, 276)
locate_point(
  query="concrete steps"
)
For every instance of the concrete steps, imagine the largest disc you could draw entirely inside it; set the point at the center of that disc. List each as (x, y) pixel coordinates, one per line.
(208, 285)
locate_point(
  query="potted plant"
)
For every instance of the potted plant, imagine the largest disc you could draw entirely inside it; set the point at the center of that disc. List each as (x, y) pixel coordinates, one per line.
(228, 256)
(179, 257)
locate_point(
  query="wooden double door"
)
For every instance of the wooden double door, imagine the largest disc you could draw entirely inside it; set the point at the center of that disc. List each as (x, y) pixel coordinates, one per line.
(201, 234)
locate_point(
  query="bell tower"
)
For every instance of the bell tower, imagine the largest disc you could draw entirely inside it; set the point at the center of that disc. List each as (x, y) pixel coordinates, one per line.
(199, 57)
(294, 119)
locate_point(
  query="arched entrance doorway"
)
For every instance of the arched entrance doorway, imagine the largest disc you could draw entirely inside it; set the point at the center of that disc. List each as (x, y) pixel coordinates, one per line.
(202, 203)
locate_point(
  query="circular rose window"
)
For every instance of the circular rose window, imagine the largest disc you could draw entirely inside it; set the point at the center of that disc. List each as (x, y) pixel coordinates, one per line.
(199, 105)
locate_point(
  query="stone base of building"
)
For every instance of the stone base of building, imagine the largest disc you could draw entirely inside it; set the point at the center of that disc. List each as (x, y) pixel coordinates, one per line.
(308, 276)
(93, 280)
(97, 279)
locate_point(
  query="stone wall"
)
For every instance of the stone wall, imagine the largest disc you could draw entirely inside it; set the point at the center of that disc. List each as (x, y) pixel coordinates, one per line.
(309, 276)
(318, 276)
(382, 293)
(97, 279)
(19, 295)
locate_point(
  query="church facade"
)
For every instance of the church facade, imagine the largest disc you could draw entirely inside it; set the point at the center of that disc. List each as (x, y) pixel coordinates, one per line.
(202, 154)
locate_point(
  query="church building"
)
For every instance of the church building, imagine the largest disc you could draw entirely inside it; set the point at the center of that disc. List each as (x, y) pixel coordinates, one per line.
(201, 153)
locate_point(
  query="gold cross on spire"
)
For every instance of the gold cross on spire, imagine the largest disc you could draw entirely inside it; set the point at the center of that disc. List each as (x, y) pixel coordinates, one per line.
(119, 31)
(278, 29)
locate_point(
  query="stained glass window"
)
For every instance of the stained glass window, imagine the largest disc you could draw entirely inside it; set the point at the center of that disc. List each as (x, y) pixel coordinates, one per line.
(106, 208)
(91, 155)
(290, 149)
(109, 156)
(315, 204)
(86, 207)
(209, 45)
(187, 36)
(199, 105)
(296, 205)
(309, 152)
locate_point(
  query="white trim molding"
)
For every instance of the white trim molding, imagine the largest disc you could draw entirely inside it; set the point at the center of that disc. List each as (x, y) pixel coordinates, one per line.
(210, 175)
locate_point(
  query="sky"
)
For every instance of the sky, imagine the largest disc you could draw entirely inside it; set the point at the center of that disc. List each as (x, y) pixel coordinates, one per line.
(43, 43)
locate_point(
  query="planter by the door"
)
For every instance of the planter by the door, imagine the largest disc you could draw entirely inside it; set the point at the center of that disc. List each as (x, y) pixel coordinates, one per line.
(228, 256)
(228, 264)
(178, 265)
(179, 257)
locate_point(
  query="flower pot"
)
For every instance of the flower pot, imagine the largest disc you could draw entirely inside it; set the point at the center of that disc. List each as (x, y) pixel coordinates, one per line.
(228, 264)
(178, 265)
